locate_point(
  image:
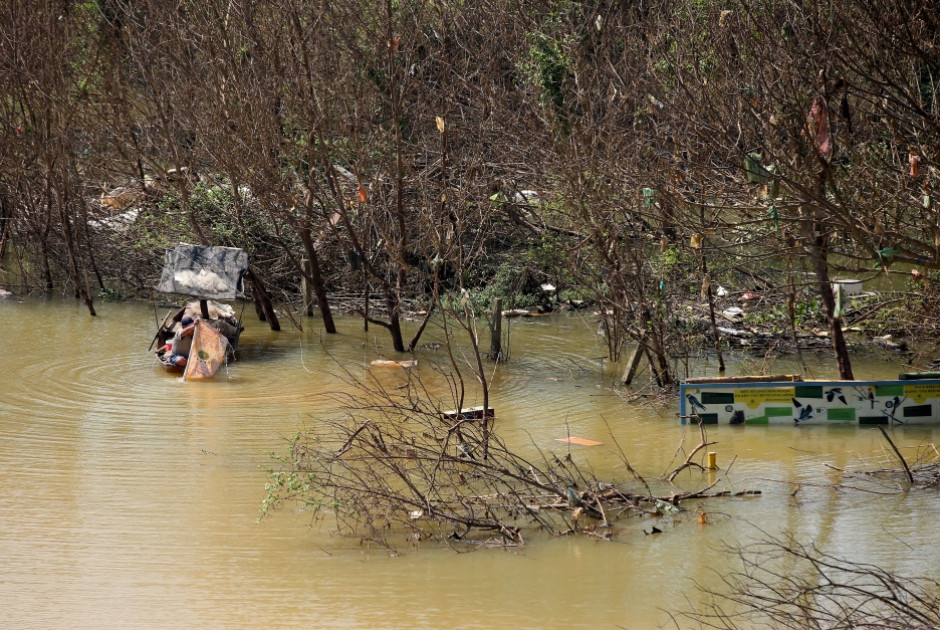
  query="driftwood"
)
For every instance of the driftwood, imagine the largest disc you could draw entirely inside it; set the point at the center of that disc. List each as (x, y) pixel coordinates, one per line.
(688, 460)
(907, 469)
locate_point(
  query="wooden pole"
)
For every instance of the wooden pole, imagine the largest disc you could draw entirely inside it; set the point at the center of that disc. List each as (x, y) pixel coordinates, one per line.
(633, 364)
(365, 301)
(496, 330)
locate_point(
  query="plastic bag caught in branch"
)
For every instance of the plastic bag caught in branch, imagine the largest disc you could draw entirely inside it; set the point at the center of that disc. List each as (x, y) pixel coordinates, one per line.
(817, 126)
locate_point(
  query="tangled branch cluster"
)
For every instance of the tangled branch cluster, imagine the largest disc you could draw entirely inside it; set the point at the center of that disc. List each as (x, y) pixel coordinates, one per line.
(398, 464)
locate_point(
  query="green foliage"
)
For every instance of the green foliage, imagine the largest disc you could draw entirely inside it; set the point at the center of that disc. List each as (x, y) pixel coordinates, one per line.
(549, 68)
(887, 317)
(162, 225)
(575, 295)
(214, 207)
(546, 255)
(289, 485)
(506, 283)
(550, 61)
(108, 294)
(676, 260)
(807, 312)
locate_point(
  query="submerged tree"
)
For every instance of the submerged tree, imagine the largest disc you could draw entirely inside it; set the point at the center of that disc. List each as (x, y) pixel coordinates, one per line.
(830, 117)
(47, 132)
(383, 152)
(399, 464)
(784, 584)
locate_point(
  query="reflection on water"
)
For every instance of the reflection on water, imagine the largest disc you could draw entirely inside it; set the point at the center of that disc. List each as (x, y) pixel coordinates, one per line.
(131, 498)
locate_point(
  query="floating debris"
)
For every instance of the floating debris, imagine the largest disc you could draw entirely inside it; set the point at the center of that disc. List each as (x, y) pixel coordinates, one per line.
(578, 440)
(394, 364)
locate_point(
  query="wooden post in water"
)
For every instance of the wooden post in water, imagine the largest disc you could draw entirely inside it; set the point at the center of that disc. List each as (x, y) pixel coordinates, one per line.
(496, 330)
(305, 289)
(633, 364)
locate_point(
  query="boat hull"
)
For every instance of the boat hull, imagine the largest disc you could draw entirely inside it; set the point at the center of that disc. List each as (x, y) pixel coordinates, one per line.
(888, 402)
(168, 366)
(207, 354)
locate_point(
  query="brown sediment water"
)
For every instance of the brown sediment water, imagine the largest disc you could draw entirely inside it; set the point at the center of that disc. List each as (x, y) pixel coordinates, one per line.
(131, 499)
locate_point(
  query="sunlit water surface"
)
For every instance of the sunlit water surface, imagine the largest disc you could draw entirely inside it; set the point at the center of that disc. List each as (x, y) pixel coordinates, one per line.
(130, 499)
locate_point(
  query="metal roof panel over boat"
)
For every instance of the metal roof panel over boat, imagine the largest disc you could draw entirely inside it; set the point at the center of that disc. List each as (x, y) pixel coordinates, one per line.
(207, 272)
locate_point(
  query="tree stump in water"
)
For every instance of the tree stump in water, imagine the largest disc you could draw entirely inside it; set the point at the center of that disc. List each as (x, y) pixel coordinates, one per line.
(496, 330)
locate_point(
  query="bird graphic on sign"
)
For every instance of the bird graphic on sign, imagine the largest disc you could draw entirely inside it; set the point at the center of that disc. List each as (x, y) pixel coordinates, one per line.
(806, 413)
(696, 405)
(836, 392)
(891, 409)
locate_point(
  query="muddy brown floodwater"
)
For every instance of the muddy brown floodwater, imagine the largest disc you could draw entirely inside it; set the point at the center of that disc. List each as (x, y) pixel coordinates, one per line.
(130, 499)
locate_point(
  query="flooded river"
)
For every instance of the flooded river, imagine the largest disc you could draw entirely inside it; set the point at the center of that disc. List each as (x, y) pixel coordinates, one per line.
(130, 499)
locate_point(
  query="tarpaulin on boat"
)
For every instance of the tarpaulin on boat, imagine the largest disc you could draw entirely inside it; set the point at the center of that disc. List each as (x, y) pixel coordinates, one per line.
(210, 272)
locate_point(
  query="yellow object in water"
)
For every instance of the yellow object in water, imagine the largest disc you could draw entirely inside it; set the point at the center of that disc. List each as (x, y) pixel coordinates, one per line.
(712, 460)
(207, 354)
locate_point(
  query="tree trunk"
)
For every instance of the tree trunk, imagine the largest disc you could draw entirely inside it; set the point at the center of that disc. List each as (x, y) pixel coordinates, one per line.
(711, 316)
(819, 239)
(5, 220)
(81, 290)
(316, 278)
(394, 322)
(821, 265)
(262, 300)
(633, 364)
(659, 360)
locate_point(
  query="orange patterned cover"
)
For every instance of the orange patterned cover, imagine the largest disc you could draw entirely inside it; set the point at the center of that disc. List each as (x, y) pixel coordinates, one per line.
(207, 354)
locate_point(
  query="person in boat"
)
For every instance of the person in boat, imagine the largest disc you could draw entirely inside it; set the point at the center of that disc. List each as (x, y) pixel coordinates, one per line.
(181, 342)
(220, 317)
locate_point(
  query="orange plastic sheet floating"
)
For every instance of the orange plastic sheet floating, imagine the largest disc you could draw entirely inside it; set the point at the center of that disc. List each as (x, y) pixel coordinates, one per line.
(207, 354)
(578, 440)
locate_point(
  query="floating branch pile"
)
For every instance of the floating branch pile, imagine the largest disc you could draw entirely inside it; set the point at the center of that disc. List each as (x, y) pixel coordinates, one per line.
(922, 472)
(396, 464)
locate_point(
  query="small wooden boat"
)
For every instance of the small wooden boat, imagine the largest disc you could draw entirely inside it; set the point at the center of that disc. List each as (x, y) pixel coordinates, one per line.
(789, 400)
(200, 336)
(171, 363)
(203, 332)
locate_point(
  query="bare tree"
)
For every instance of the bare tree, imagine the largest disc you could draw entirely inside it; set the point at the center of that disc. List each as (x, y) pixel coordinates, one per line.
(782, 583)
(44, 112)
(399, 465)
